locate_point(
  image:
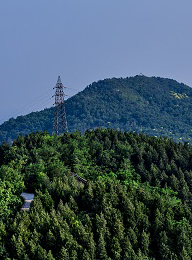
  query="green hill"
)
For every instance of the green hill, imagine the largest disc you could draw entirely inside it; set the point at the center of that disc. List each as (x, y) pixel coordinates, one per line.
(153, 105)
(136, 203)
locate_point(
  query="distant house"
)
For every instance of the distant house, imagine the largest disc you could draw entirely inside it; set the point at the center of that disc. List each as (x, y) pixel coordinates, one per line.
(28, 197)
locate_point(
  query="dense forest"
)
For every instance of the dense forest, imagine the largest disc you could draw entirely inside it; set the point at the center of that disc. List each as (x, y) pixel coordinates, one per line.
(136, 203)
(153, 105)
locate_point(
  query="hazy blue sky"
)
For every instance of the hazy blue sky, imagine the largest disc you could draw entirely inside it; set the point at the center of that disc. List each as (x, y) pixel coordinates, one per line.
(85, 41)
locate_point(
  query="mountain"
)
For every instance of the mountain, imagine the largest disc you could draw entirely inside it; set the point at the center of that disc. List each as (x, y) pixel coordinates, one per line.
(153, 105)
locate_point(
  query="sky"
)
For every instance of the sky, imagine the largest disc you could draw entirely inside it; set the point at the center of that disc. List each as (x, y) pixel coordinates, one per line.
(86, 41)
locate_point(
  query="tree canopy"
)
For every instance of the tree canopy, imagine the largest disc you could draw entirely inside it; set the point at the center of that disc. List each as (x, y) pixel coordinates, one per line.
(136, 203)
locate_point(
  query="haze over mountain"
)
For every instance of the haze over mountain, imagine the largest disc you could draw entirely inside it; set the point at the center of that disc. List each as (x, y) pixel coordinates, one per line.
(153, 105)
(84, 41)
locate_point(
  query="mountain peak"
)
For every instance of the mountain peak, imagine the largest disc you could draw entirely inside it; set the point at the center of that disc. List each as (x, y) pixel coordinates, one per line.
(154, 105)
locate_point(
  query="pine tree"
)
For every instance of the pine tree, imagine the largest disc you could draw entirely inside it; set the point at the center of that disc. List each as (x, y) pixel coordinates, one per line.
(86, 255)
(101, 250)
(164, 249)
(127, 250)
(63, 255)
(116, 249)
(145, 243)
(184, 255)
(50, 256)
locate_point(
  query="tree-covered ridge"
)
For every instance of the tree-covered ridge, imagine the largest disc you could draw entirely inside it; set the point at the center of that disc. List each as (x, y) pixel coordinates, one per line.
(153, 105)
(136, 203)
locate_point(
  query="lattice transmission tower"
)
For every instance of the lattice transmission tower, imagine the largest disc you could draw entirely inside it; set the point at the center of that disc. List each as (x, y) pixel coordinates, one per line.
(60, 121)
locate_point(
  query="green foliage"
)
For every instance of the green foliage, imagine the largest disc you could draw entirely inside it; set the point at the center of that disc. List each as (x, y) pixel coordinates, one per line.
(136, 203)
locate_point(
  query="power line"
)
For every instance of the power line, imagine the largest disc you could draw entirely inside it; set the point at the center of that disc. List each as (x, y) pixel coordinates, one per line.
(28, 105)
(43, 103)
(33, 103)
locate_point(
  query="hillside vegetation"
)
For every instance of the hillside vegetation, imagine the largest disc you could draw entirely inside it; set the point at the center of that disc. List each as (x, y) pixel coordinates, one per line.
(136, 203)
(153, 105)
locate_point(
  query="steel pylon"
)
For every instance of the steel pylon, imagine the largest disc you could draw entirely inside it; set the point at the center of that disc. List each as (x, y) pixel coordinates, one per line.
(60, 121)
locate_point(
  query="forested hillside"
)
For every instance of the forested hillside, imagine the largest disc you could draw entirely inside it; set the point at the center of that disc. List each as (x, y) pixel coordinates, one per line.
(136, 203)
(153, 105)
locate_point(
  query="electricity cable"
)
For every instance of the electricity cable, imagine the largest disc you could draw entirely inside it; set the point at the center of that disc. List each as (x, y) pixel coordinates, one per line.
(33, 102)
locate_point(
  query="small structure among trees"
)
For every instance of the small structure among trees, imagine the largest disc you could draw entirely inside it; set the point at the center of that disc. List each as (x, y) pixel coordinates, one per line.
(28, 197)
